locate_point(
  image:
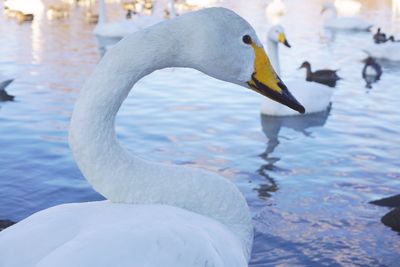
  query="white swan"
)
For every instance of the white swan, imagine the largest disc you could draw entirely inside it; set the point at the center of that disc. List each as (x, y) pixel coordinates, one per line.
(351, 23)
(276, 8)
(313, 96)
(161, 215)
(120, 29)
(27, 7)
(387, 51)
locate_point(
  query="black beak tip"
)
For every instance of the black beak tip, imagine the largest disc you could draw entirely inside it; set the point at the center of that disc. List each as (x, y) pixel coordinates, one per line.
(287, 44)
(301, 109)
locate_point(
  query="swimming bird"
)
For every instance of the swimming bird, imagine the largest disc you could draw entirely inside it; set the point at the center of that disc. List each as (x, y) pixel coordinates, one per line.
(351, 23)
(156, 214)
(4, 96)
(276, 8)
(325, 76)
(313, 96)
(379, 37)
(120, 29)
(57, 11)
(392, 218)
(387, 51)
(371, 72)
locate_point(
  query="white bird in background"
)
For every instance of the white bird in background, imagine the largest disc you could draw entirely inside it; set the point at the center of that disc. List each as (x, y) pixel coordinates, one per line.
(276, 8)
(24, 6)
(157, 214)
(313, 96)
(389, 50)
(109, 33)
(348, 7)
(351, 23)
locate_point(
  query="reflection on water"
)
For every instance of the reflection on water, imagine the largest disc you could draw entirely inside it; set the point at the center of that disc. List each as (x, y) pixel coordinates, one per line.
(271, 126)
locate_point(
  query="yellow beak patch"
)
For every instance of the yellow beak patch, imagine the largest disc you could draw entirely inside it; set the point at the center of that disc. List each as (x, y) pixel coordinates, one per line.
(282, 38)
(263, 70)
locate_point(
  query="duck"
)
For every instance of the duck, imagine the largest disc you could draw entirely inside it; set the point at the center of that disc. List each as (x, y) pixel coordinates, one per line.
(22, 17)
(155, 214)
(4, 96)
(351, 23)
(109, 33)
(313, 96)
(276, 8)
(371, 72)
(325, 76)
(392, 218)
(57, 11)
(379, 37)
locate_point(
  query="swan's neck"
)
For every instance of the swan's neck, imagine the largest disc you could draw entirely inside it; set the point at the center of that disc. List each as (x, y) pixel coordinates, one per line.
(333, 12)
(122, 177)
(273, 53)
(102, 12)
(171, 6)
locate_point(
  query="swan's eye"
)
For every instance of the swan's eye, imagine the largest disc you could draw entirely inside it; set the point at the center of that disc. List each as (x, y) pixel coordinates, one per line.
(247, 39)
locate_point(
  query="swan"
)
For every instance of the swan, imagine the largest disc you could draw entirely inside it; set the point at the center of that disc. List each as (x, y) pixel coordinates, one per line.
(276, 8)
(387, 51)
(122, 28)
(156, 214)
(32, 7)
(351, 23)
(313, 96)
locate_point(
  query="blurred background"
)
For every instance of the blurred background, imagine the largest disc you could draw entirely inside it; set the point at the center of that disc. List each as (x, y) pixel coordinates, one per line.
(308, 180)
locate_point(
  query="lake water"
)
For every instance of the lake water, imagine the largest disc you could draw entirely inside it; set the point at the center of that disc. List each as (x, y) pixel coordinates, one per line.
(307, 180)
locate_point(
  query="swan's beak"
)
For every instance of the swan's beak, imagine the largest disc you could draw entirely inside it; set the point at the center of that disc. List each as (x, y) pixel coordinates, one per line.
(323, 10)
(283, 40)
(267, 83)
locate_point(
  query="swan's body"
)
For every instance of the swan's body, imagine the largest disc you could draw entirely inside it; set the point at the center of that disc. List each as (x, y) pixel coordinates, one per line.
(276, 8)
(386, 51)
(352, 23)
(122, 28)
(313, 96)
(25, 7)
(348, 7)
(173, 216)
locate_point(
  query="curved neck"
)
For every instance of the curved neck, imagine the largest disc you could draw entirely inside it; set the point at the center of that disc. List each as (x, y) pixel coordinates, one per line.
(102, 12)
(273, 53)
(122, 177)
(171, 6)
(333, 12)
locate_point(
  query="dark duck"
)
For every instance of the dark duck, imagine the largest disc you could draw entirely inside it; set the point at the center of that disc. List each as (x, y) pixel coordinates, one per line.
(392, 218)
(4, 96)
(381, 37)
(326, 77)
(371, 72)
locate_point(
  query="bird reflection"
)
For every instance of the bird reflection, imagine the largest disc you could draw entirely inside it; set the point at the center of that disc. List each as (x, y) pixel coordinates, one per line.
(271, 126)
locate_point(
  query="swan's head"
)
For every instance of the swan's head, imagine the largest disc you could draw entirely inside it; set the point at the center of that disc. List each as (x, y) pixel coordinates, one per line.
(231, 51)
(277, 35)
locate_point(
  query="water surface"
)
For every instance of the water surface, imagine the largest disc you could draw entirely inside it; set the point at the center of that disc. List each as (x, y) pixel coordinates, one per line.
(308, 182)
